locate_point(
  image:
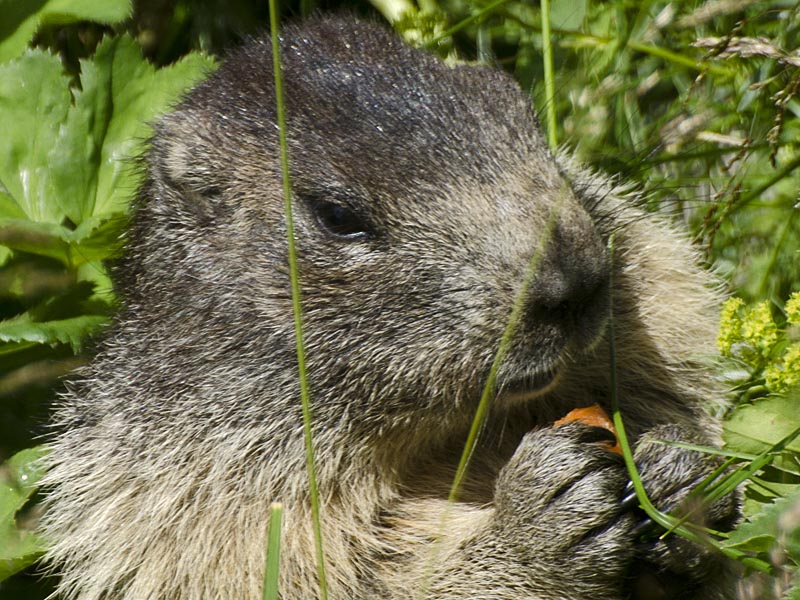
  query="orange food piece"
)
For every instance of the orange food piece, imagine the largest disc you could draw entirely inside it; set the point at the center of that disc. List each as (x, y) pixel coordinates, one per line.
(594, 416)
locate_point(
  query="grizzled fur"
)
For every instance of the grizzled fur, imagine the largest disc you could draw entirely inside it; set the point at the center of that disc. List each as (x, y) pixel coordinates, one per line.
(422, 194)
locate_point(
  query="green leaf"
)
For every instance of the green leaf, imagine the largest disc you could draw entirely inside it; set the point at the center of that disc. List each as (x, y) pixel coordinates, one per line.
(67, 175)
(18, 480)
(568, 15)
(22, 18)
(66, 11)
(121, 94)
(19, 476)
(34, 100)
(775, 529)
(74, 160)
(8, 208)
(75, 157)
(44, 239)
(97, 238)
(70, 331)
(755, 427)
(272, 570)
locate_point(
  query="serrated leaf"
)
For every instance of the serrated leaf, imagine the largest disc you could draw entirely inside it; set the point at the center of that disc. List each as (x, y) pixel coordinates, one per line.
(70, 331)
(23, 547)
(75, 157)
(777, 522)
(19, 477)
(18, 480)
(44, 239)
(73, 160)
(22, 18)
(98, 238)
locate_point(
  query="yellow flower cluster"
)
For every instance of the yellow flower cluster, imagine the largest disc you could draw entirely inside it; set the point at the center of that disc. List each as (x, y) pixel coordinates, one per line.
(792, 309)
(751, 335)
(780, 376)
(730, 325)
(759, 330)
(786, 374)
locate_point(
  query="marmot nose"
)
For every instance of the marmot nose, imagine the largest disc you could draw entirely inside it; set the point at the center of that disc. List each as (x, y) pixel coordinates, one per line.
(571, 285)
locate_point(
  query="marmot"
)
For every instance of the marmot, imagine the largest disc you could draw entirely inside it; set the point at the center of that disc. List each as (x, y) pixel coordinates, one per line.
(422, 192)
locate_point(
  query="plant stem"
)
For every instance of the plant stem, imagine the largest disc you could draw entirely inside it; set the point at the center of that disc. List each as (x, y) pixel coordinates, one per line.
(549, 85)
(477, 15)
(296, 300)
(488, 393)
(394, 10)
(514, 319)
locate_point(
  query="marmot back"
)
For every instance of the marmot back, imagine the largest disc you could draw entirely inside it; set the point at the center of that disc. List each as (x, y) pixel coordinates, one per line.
(422, 194)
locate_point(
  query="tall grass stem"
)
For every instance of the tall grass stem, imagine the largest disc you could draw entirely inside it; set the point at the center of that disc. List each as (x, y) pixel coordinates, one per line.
(296, 300)
(502, 349)
(549, 78)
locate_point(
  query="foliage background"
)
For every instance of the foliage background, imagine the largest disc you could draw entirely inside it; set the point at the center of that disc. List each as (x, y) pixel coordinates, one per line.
(696, 102)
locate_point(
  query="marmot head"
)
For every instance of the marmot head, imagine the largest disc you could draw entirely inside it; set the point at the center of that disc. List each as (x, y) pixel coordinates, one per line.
(421, 191)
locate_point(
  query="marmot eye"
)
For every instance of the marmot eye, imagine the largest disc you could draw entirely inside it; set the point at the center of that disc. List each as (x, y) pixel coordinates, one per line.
(339, 220)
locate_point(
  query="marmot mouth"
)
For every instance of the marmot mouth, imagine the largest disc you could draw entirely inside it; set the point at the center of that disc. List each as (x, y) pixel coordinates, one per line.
(529, 386)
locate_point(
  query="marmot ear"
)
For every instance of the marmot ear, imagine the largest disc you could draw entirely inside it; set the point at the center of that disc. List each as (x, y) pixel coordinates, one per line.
(184, 156)
(187, 172)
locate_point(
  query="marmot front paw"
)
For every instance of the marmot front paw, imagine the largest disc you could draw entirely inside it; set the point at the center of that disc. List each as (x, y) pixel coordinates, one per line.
(558, 506)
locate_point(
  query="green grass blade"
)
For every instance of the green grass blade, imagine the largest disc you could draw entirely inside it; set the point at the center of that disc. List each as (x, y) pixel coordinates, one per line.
(678, 59)
(758, 191)
(744, 472)
(549, 83)
(707, 450)
(273, 552)
(505, 341)
(296, 301)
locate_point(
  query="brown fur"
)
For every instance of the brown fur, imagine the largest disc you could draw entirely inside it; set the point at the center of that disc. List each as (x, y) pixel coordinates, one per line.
(187, 425)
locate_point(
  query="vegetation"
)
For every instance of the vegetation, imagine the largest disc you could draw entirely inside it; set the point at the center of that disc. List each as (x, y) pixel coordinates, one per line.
(696, 102)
